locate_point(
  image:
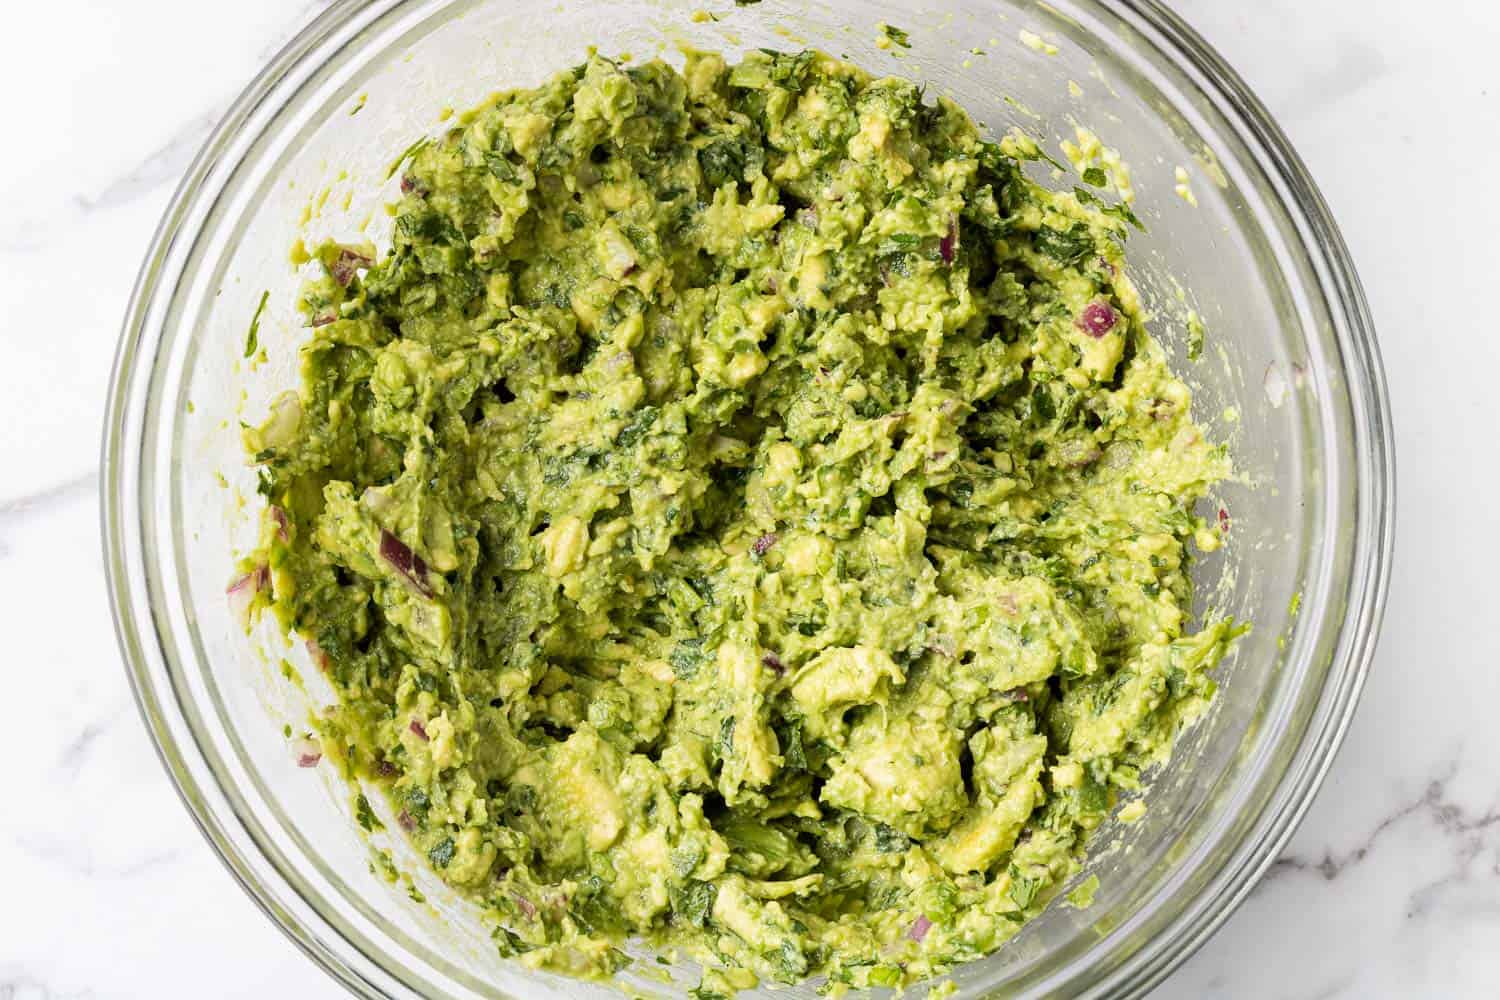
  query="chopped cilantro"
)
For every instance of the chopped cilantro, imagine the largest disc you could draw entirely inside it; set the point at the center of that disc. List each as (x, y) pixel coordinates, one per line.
(252, 341)
(1066, 246)
(442, 854)
(897, 35)
(365, 815)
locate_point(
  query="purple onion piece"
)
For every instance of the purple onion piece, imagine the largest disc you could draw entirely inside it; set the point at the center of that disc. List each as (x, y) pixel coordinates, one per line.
(1017, 694)
(254, 581)
(278, 517)
(404, 820)
(763, 544)
(1097, 319)
(347, 263)
(919, 928)
(1224, 520)
(418, 728)
(308, 752)
(243, 591)
(948, 245)
(406, 562)
(527, 908)
(773, 662)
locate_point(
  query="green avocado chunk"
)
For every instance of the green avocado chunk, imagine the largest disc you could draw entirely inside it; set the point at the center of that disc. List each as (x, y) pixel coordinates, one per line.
(740, 510)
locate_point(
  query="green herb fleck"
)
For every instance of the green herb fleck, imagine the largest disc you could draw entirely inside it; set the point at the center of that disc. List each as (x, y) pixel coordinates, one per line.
(726, 737)
(694, 902)
(509, 943)
(1023, 890)
(252, 341)
(406, 154)
(889, 840)
(1066, 246)
(365, 815)
(442, 854)
(1195, 337)
(686, 658)
(897, 35)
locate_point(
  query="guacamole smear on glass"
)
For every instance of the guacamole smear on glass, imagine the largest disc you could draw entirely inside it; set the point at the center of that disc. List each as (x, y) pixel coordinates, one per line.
(740, 511)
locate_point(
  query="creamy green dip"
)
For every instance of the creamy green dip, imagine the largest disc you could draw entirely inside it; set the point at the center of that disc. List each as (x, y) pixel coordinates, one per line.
(740, 510)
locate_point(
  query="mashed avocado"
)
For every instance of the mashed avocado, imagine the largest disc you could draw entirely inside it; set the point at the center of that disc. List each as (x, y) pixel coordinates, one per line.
(740, 510)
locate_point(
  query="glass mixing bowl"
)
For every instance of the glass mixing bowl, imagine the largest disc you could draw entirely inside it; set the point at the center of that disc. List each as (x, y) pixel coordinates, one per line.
(1290, 378)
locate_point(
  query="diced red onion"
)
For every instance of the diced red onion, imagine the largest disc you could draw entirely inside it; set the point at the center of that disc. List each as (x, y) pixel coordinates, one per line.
(243, 591)
(404, 820)
(942, 644)
(278, 517)
(1017, 694)
(919, 928)
(948, 245)
(406, 562)
(763, 544)
(1224, 520)
(527, 908)
(316, 654)
(1097, 319)
(308, 752)
(323, 319)
(347, 263)
(773, 662)
(418, 728)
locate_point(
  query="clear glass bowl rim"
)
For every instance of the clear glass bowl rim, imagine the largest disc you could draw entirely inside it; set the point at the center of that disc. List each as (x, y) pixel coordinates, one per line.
(127, 553)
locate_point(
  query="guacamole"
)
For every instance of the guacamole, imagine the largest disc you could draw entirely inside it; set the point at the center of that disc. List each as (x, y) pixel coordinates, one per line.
(741, 511)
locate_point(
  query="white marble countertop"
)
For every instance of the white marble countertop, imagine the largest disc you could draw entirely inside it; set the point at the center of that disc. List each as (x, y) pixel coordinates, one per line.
(1390, 888)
